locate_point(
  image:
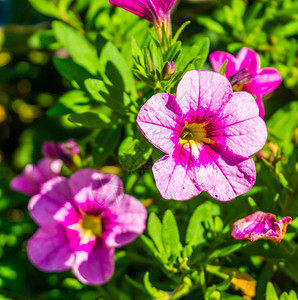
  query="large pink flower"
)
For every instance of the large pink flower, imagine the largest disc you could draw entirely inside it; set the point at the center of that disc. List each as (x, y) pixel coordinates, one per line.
(33, 177)
(82, 220)
(245, 73)
(208, 132)
(155, 11)
(260, 225)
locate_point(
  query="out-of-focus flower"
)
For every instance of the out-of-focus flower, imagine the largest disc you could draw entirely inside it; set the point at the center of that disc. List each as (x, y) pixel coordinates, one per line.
(82, 220)
(260, 225)
(155, 11)
(33, 177)
(208, 132)
(245, 73)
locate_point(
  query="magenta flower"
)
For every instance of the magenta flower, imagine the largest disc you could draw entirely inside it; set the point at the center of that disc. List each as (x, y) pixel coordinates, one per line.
(155, 11)
(245, 73)
(82, 220)
(208, 132)
(260, 225)
(33, 177)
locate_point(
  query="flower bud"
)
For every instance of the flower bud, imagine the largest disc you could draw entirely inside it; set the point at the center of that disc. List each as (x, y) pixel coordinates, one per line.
(168, 70)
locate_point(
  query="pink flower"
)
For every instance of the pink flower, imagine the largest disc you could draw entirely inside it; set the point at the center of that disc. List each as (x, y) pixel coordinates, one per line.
(208, 132)
(82, 220)
(260, 225)
(155, 11)
(245, 73)
(33, 177)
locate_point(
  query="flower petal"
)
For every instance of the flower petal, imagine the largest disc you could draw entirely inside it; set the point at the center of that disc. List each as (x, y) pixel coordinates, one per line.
(22, 184)
(128, 221)
(218, 58)
(202, 93)
(247, 58)
(49, 250)
(158, 120)
(96, 267)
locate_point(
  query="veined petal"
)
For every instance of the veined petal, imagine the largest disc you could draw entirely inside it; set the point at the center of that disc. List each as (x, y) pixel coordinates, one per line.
(218, 58)
(159, 119)
(201, 94)
(96, 267)
(247, 58)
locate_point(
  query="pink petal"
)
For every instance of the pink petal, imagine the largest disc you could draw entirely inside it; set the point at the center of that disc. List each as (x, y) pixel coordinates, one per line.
(202, 93)
(93, 190)
(54, 204)
(96, 267)
(218, 58)
(264, 82)
(260, 104)
(241, 131)
(247, 58)
(128, 221)
(172, 177)
(49, 250)
(158, 120)
(22, 184)
(223, 178)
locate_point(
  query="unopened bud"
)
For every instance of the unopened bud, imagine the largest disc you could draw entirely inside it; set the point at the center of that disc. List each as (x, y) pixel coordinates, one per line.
(168, 70)
(261, 155)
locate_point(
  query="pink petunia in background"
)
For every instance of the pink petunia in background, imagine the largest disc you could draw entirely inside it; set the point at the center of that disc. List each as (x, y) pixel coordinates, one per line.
(82, 220)
(155, 11)
(245, 73)
(260, 225)
(208, 133)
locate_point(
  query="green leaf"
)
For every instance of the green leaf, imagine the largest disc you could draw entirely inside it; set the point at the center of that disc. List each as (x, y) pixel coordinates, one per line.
(46, 7)
(74, 73)
(284, 296)
(43, 38)
(90, 119)
(170, 235)
(154, 292)
(270, 292)
(136, 284)
(105, 143)
(134, 153)
(79, 48)
(223, 68)
(292, 295)
(149, 246)
(220, 252)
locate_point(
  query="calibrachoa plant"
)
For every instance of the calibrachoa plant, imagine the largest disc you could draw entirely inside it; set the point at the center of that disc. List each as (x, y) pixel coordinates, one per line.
(153, 123)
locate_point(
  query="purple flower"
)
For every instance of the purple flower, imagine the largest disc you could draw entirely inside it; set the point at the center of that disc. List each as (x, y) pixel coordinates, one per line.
(245, 73)
(155, 11)
(208, 132)
(33, 177)
(62, 151)
(82, 220)
(260, 225)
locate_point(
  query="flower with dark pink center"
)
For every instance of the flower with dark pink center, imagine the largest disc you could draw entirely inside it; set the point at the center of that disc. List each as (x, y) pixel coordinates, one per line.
(82, 220)
(260, 225)
(245, 73)
(208, 133)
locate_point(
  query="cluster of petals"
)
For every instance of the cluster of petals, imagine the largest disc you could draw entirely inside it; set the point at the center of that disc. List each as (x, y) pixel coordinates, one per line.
(245, 73)
(208, 133)
(82, 220)
(260, 225)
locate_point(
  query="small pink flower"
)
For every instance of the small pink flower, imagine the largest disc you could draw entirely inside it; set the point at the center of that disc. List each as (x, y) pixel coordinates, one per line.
(33, 177)
(208, 132)
(245, 73)
(155, 11)
(260, 225)
(82, 220)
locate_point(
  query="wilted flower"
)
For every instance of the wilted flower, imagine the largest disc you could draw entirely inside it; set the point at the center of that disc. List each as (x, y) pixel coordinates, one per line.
(82, 220)
(155, 11)
(245, 73)
(33, 177)
(260, 225)
(208, 132)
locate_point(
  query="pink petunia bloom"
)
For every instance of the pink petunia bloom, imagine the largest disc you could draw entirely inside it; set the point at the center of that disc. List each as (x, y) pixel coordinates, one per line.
(245, 73)
(260, 225)
(33, 177)
(208, 132)
(82, 220)
(155, 11)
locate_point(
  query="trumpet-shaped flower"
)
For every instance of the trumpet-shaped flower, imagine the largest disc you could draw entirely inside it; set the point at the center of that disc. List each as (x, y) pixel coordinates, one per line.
(260, 225)
(245, 73)
(33, 177)
(82, 220)
(208, 133)
(155, 11)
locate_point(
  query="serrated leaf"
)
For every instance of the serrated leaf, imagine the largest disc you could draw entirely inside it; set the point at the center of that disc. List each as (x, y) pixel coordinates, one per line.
(270, 292)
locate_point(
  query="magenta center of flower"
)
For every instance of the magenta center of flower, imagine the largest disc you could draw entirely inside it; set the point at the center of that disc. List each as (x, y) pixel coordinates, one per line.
(92, 224)
(194, 132)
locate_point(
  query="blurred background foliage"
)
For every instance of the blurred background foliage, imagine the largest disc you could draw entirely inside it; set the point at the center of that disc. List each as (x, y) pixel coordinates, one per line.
(44, 95)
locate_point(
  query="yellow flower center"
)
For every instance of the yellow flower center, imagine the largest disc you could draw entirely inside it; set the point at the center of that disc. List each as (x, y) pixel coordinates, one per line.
(92, 224)
(194, 132)
(237, 87)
